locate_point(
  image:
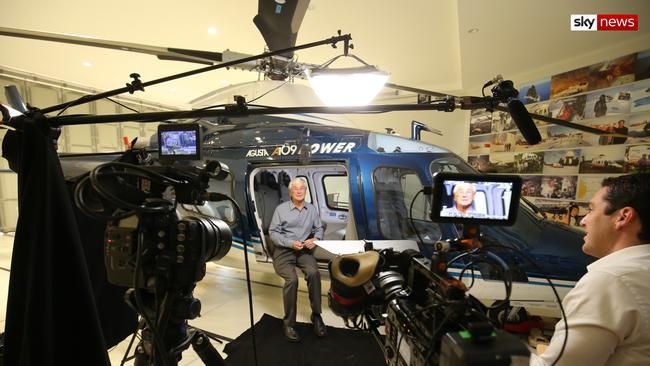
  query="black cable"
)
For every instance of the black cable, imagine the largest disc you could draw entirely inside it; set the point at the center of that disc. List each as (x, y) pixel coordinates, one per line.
(83, 207)
(545, 276)
(123, 106)
(433, 337)
(248, 275)
(104, 193)
(158, 342)
(411, 218)
(79, 100)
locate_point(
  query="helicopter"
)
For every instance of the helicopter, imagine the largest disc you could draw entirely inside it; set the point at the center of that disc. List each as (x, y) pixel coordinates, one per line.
(344, 167)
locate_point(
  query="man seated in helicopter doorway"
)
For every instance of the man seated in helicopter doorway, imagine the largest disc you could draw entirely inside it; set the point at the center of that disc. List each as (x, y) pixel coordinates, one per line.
(294, 228)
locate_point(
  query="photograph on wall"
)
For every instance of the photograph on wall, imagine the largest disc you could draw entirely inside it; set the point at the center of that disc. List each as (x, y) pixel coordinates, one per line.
(563, 187)
(639, 130)
(522, 145)
(558, 137)
(613, 124)
(569, 109)
(640, 95)
(570, 83)
(603, 160)
(529, 163)
(567, 212)
(642, 67)
(612, 73)
(536, 91)
(531, 185)
(638, 158)
(480, 123)
(560, 162)
(479, 162)
(608, 102)
(503, 142)
(588, 186)
(480, 144)
(503, 162)
(540, 109)
(502, 121)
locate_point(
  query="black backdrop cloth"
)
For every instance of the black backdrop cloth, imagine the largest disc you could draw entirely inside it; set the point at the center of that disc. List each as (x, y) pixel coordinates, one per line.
(341, 347)
(51, 317)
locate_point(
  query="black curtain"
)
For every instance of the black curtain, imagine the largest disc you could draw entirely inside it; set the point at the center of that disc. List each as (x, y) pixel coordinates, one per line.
(52, 317)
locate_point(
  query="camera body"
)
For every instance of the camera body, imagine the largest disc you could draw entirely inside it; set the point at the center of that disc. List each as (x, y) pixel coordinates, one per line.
(173, 251)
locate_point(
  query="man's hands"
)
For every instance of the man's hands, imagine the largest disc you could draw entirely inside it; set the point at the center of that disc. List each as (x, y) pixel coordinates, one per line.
(309, 244)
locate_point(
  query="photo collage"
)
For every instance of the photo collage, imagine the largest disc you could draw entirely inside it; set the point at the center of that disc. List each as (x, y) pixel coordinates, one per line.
(563, 171)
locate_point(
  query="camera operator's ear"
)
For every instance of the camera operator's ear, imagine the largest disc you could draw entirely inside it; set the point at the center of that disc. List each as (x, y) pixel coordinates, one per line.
(354, 270)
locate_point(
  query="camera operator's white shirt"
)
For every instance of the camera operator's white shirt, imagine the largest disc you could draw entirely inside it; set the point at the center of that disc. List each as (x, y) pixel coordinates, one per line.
(608, 314)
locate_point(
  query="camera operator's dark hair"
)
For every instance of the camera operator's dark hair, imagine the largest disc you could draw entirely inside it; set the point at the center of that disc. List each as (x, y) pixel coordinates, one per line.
(634, 191)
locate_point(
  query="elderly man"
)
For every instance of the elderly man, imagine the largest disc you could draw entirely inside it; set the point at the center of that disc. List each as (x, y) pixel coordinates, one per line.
(463, 201)
(608, 311)
(294, 228)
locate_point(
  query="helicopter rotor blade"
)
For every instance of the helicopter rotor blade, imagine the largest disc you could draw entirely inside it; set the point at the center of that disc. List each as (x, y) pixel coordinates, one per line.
(177, 54)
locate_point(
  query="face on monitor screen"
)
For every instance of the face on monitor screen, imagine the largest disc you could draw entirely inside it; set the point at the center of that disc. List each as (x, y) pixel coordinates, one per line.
(475, 199)
(179, 142)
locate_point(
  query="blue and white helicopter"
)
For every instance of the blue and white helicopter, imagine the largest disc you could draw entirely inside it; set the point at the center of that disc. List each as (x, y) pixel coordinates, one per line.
(364, 184)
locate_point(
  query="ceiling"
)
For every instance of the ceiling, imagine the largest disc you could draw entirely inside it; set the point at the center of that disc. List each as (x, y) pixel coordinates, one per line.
(422, 43)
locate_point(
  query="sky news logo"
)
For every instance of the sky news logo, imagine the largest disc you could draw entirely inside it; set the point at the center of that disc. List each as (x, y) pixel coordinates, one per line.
(604, 22)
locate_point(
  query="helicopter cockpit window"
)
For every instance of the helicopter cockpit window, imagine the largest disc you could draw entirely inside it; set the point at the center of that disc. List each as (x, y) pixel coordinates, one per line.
(222, 210)
(451, 164)
(395, 188)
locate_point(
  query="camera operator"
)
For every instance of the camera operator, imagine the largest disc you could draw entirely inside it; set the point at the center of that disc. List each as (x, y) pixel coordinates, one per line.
(608, 311)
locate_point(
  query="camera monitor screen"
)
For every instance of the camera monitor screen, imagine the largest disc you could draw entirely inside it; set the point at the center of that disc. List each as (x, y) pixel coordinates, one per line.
(475, 198)
(179, 142)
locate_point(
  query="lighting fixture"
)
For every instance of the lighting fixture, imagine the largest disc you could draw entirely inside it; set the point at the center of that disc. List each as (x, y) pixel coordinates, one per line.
(351, 86)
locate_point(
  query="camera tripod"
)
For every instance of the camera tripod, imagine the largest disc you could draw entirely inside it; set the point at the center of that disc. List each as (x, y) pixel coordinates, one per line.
(173, 332)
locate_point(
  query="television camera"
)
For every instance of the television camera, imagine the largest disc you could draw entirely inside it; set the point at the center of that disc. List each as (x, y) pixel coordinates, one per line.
(427, 315)
(150, 248)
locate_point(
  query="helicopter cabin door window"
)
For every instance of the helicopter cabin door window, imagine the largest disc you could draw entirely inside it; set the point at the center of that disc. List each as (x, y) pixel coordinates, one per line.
(402, 212)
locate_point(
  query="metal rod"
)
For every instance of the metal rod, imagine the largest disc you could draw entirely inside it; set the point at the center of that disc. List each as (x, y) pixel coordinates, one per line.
(141, 86)
(161, 116)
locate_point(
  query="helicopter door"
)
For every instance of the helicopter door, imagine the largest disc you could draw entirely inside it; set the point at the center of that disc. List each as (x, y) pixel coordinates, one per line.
(271, 188)
(391, 192)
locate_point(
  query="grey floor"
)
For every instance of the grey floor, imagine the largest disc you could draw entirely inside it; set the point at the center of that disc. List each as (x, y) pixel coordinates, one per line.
(224, 299)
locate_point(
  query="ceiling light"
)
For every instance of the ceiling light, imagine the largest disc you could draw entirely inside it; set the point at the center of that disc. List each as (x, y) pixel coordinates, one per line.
(351, 86)
(213, 31)
(86, 64)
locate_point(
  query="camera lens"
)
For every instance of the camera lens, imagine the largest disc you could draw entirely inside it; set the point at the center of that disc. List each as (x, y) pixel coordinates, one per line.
(217, 237)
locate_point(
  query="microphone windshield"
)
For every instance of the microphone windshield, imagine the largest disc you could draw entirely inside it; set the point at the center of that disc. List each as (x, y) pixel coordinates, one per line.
(524, 122)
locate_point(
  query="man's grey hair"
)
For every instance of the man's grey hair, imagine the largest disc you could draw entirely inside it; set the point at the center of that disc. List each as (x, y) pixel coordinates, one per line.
(465, 184)
(296, 180)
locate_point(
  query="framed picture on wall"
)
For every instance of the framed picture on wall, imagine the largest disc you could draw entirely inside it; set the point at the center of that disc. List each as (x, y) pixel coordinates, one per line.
(614, 72)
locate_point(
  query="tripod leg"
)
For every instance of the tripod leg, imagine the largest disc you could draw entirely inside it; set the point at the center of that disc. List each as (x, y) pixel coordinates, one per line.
(206, 351)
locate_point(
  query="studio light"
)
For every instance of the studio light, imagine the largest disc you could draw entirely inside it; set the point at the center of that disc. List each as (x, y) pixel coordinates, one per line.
(351, 86)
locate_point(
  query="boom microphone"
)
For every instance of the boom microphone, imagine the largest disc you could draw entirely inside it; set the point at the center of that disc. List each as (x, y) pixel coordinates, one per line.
(505, 92)
(524, 122)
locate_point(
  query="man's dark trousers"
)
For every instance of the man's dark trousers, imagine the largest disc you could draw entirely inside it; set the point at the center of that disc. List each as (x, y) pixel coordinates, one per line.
(285, 261)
